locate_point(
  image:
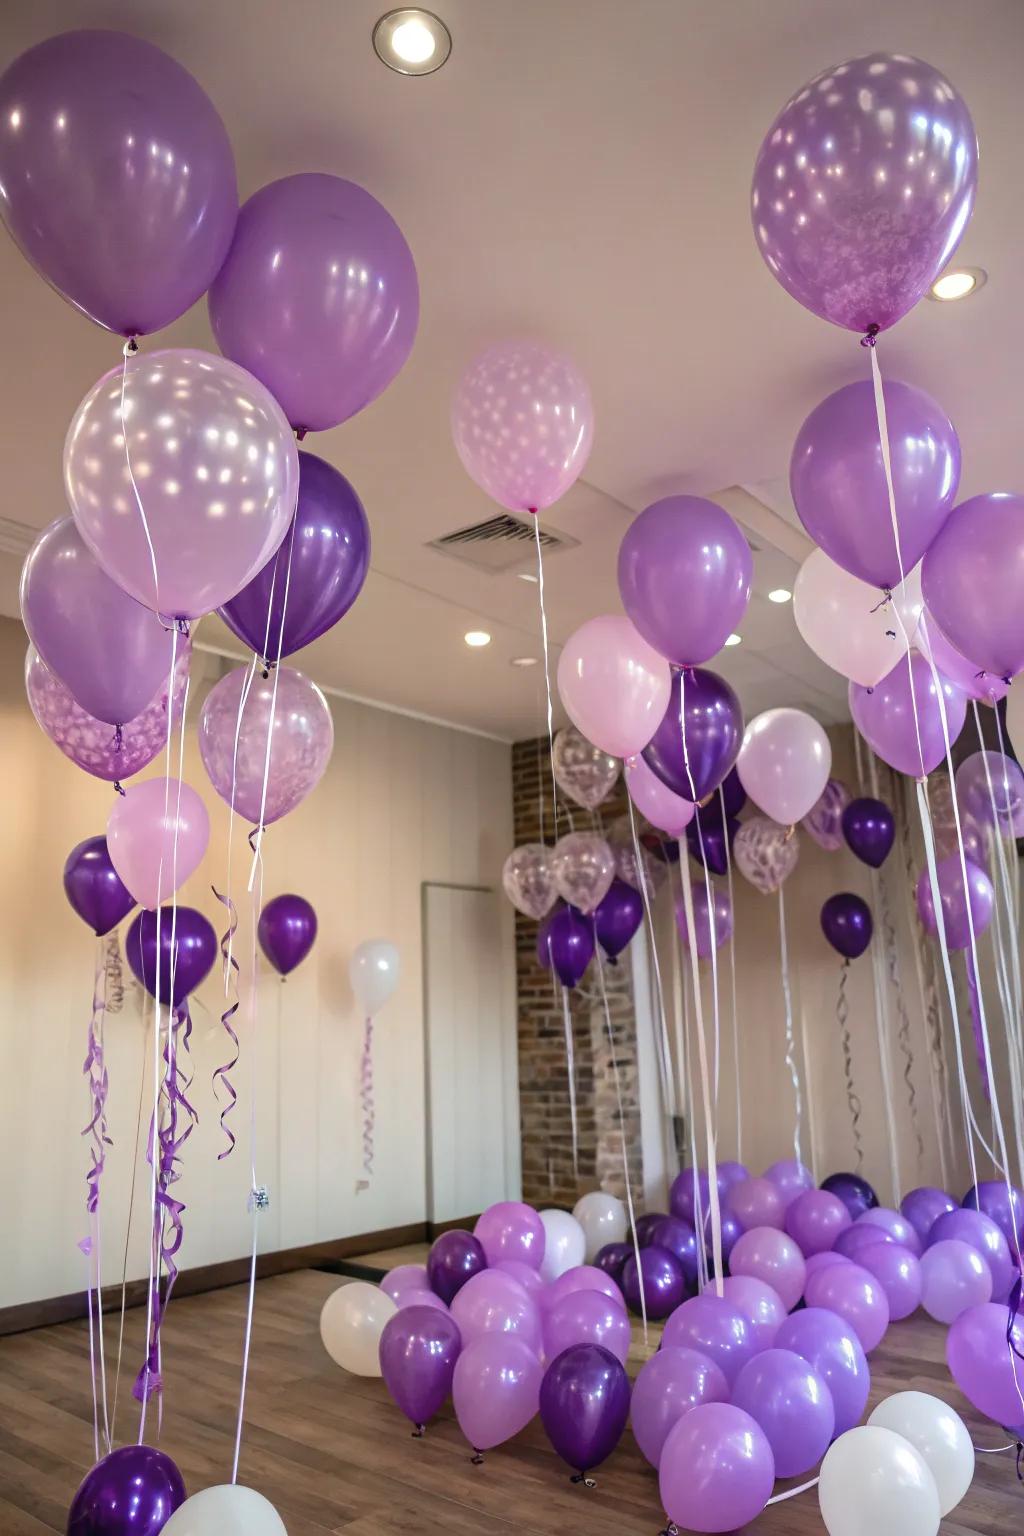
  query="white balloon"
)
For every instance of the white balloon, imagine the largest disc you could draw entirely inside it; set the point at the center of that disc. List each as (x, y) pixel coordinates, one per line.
(784, 763)
(938, 1434)
(874, 1483)
(351, 1324)
(564, 1244)
(373, 974)
(852, 626)
(603, 1219)
(226, 1510)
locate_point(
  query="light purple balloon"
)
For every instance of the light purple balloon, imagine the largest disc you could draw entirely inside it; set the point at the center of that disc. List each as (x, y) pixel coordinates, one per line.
(491, 1302)
(717, 1469)
(785, 1395)
(586, 1317)
(824, 821)
(712, 923)
(835, 1351)
(852, 1242)
(898, 1271)
(730, 1173)
(756, 1203)
(990, 787)
(854, 1294)
(495, 1388)
(978, 684)
(511, 1230)
(815, 1219)
(765, 1253)
(894, 1223)
(823, 1260)
(791, 1177)
(884, 715)
(404, 1278)
(759, 1304)
(923, 1206)
(954, 1277)
(982, 1233)
(714, 1327)
(982, 1364)
(423, 1298)
(670, 1383)
(961, 905)
(528, 1277)
(584, 1277)
(969, 581)
(1004, 1204)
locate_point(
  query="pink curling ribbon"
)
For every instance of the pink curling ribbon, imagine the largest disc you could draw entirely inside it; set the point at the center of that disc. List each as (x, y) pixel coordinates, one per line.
(366, 1095)
(221, 1074)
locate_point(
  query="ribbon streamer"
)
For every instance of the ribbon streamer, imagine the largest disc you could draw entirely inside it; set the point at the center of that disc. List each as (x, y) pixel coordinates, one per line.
(95, 1070)
(979, 1040)
(547, 671)
(853, 1101)
(787, 998)
(366, 1098)
(732, 977)
(570, 1066)
(222, 1073)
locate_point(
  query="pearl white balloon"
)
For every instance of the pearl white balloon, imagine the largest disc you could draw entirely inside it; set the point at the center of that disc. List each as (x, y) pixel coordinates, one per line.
(351, 1324)
(226, 1510)
(603, 1219)
(564, 1244)
(784, 763)
(373, 974)
(849, 624)
(874, 1483)
(938, 1434)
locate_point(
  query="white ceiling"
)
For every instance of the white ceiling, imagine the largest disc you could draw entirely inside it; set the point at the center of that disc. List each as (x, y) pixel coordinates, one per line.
(579, 171)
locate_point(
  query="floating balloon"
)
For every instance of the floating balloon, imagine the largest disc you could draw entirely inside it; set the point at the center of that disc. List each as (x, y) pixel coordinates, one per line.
(663, 808)
(585, 773)
(712, 921)
(265, 741)
(982, 1363)
(102, 132)
(670, 1383)
(846, 923)
(717, 1469)
(174, 947)
(784, 763)
(94, 888)
(765, 853)
(511, 1230)
(570, 945)
(352, 1320)
(157, 833)
(869, 828)
(584, 1404)
(523, 424)
(787, 1398)
(986, 687)
(373, 972)
(528, 880)
(963, 906)
(287, 931)
(132, 1492)
(583, 868)
(854, 212)
(846, 623)
(228, 1509)
(885, 716)
(824, 820)
(617, 918)
(182, 475)
(454, 1258)
(874, 1480)
(615, 687)
(699, 737)
(968, 584)
(990, 789)
(939, 1436)
(495, 1389)
(710, 842)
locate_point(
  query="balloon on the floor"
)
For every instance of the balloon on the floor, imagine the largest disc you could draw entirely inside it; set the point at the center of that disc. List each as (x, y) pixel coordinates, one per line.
(717, 1469)
(939, 1436)
(453, 1259)
(874, 1480)
(228, 1509)
(351, 1323)
(495, 1389)
(670, 1383)
(603, 1219)
(584, 1404)
(784, 1394)
(132, 1492)
(418, 1350)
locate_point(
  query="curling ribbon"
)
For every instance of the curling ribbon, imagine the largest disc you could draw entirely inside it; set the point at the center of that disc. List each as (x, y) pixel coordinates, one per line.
(221, 1074)
(979, 1042)
(842, 1019)
(366, 1097)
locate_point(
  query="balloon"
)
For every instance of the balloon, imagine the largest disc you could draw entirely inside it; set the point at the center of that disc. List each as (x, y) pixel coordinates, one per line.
(715, 1327)
(670, 1383)
(586, 1317)
(418, 1351)
(119, 182)
(833, 1256)
(523, 424)
(570, 941)
(756, 1203)
(316, 574)
(858, 201)
(528, 1277)
(856, 1296)
(846, 923)
(765, 1253)
(612, 1259)
(585, 1277)
(971, 679)
(885, 717)
(352, 1321)
(828, 1343)
(94, 888)
(187, 947)
(403, 1280)
(318, 297)
(713, 925)
(424, 1298)
(954, 1277)
(565, 1244)
(893, 1224)
(584, 1404)
(663, 808)
(699, 737)
(870, 830)
(962, 906)
(603, 1219)
(685, 544)
(837, 479)
(765, 853)
(585, 773)
(784, 763)
(1003, 1204)
(131, 1492)
(939, 1436)
(157, 833)
(990, 788)
(584, 868)
(454, 1258)
(787, 1398)
(678, 1237)
(615, 687)
(982, 1233)
(758, 1303)
(686, 1186)
(898, 1272)
(968, 586)
(491, 1302)
(617, 918)
(710, 842)
(543, 949)
(824, 820)
(287, 932)
(845, 622)
(495, 1389)
(923, 1207)
(637, 868)
(661, 1278)
(216, 471)
(511, 1230)
(528, 880)
(855, 1193)
(852, 1241)
(731, 1231)
(981, 1361)
(241, 715)
(645, 1227)
(874, 1480)
(111, 654)
(815, 1219)
(791, 1176)
(373, 971)
(90, 743)
(717, 1469)
(228, 1509)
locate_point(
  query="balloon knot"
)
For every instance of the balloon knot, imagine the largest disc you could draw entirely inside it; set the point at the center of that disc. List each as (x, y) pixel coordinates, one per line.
(119, 787)
(131, 347)
(891, 633)
(118, 737)
(300, 433)
(181, 625)
(581, 1477)
(870, 336)
(477, 1458)
(419, 1432)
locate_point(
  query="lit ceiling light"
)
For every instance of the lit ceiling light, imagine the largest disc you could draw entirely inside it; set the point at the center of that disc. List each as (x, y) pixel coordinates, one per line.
(412, 41)
(733, 639)
(477, 637)
(779, 595)
(957, 284)
(524, 661)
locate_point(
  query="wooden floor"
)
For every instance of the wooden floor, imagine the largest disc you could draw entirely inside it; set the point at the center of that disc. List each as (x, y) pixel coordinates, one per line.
(333, 1453)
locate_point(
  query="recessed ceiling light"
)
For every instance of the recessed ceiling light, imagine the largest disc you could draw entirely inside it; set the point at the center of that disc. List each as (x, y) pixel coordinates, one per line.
(957, 284)
(733, 639)
(477, 637)
(412, 41)
(524, 661)
(779, 595)
(527, 576)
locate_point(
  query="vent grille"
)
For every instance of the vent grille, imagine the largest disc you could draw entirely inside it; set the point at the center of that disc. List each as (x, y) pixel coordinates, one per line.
(501, 543)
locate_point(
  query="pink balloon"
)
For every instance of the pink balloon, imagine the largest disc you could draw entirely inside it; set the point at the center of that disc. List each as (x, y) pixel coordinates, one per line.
(765, 1253)
(303, 740)
(528, 1277)
(856, 1296)
(815, 1219)
(157, 833)
(615, 687)
(511, 1229)
(495, 1389)
(491, 1302)
(585, 1277)
(668, 812)
(756, 1203)
(585, 1317)
(784, 763)
(523, 424)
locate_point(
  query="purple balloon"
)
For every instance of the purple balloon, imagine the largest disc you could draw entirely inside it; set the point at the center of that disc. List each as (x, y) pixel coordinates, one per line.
(586, 1317)
(846, 923)
(985, 687)
(923, 1207)
(662, 1277)
(495, 1389)
(732, 793)
(318, 297)
(815, 1219)
(424, 1298)
(287, 931)
(824, 820)
(884, 715)
(990, 789)
(852, 1242)
(544, 935)
(94, 888)
(893, 1224)
(870, 830)
(968, 582)
(132, 1492)
(837, 478)
(961, 906)
(645, 1226)
(704, 712)
(612, 1259)
(403, 1280)
(731, 1232)
(710, 842)
(685, 544)
(584, 1277)
(683, 1194)
(756, 1203)
(981, 1233)
(617, 917)
(785, 1395)
(856, 1296)
(670, 1383)
(570, 940)
(712, 920)
(321, 564)
(418, 1350)
(492, 1302)
(981, 1362)
(714, 1326)
(855, 210)
(679, 1238)
(511, 1230)
(833, 1348)
(717, 1469)
(1004, 1206)
(759, 1304)
(823, 1260)
(898, 1271)
(187, 946)
(454, 1258)
(584, 1404)
(792, 1178)
(119, 182)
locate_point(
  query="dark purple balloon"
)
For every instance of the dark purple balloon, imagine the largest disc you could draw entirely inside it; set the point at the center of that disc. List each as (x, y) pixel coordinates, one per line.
(682, 1197)
(923, 1206)
(543, 935)
(1005, 1208)
(678, 1238)
(732, 792)
(870, 830)
(855, 1193)
(287, 931)
(710, 842)
(418, 1351)
(662, 1277)
(645, 1225)
(846, 923)
(584, 1404)
(194, 949)
(132, 1492)
(323, 563)
(570, 939)
(713, 729)
(617, 917)
(455, 1257)
(94, 888)
(612, 1257)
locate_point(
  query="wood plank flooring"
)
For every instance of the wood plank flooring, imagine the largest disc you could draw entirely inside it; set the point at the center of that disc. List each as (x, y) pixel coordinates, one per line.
(334, 1454)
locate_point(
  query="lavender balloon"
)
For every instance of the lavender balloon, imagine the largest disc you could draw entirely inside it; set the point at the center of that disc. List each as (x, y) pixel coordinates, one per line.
(94, 888)
(758, 1303)
(584, 1404)
(784, 1394)
(1003, 1205)
(815, 1219)
(132, 1492)
(898, 1271)
(846, 923)
(824, 820)
(660, 1276)
(418, 1351)
(403, 1280)
(717, 1469)
(586, 1317)
(983, 1234)
(985, 687)
(856, 1296)
(790, 1177)
(894, 1224)
(493, 1302)
(884, 715)
(714, 1326)
(990, 788)
(495, 1389)
(186, 946)
(835, 1351)
(962, 905)
(570, 940)
(287, 932)
(510, 1229)
(454, 1258)
(983, 1365)
(756, 1203)
(233, 741)
(852, 1242)
(617, 918)
(923, 1207)
(703, 712)
(870, 830)
(712, 921)
(855, 1193)
(968, 581)
(670, 1383)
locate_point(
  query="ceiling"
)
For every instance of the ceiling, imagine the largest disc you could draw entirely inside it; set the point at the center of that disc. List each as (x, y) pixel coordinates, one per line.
(578, 171)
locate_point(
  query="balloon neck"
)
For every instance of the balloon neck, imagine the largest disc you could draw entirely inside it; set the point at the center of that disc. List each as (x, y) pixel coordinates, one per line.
(181, 625)
(581, 1477)
(477, 1458)
(532, 511)
(119, 787)
(671, 1529)
(419, 1431)
(300, 434)
(870, 336)
(118, 738)
(131, 347)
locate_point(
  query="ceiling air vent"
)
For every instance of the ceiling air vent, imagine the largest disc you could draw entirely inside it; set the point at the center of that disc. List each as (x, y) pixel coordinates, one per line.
(502, 543)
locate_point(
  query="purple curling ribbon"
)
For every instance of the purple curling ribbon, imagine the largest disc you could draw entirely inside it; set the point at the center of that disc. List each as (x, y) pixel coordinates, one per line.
(94, 1068)
(366, 1096)
(221, 1075)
